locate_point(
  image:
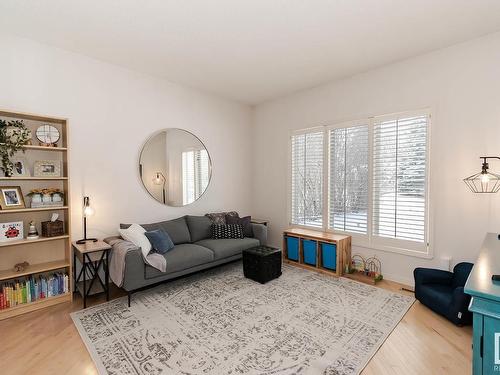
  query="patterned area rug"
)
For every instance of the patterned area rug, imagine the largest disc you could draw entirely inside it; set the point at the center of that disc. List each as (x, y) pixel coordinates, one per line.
(218, 322)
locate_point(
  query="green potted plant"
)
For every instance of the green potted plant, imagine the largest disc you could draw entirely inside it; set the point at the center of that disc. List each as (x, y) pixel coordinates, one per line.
(14, 135)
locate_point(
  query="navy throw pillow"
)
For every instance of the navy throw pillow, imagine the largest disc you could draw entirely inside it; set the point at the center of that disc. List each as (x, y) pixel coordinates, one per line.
(160, 241)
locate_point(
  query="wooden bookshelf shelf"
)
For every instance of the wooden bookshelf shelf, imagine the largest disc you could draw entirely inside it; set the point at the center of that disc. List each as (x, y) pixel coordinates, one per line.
(32, 306)
(20, 178)
(26, 242)
(44, 148)
(45, 254)
(34, 268)
(38, 209)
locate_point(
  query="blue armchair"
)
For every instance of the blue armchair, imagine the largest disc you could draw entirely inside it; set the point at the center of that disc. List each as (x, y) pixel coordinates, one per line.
(443, 292)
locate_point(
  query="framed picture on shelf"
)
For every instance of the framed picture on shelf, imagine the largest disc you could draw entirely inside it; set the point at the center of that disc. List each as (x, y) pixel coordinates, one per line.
(11, 197)
(47, 168)
(21, 167)
(11, 231)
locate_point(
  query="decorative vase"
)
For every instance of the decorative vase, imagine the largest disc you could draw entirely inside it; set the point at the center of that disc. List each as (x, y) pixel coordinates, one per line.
(33, 233)
(36, 198)
(57, 197)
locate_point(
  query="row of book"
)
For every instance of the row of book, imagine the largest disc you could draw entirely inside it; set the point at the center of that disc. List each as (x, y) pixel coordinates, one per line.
(32, 289)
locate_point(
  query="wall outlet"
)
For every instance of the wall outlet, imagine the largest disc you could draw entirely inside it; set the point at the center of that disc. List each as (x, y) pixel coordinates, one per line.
(445, 263)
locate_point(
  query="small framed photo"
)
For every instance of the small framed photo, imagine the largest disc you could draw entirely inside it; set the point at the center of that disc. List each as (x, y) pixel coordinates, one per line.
(11, 197)
(21, 167)
(11, 231)
(47, 168)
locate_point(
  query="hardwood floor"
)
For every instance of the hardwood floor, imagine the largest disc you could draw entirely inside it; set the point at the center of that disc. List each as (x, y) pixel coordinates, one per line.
(423, 343)
(46, 342)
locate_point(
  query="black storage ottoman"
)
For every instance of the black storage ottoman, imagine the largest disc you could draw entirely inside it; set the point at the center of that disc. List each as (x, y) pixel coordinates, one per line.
(262, 263)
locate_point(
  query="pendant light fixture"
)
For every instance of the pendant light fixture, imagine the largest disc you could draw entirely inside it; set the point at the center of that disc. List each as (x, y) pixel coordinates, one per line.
(484, 181)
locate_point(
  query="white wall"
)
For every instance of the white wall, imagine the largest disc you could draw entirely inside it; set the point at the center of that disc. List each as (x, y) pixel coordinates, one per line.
(111, 112)
(460, 84)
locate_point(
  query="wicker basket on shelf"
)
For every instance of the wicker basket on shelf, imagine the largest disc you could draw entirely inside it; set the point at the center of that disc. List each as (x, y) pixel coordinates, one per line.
(52, 228)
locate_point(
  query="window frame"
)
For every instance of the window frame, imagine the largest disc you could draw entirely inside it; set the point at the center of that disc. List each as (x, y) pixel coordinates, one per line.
(369, 241)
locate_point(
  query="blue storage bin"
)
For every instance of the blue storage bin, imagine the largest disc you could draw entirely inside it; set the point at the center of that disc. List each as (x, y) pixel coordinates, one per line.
(329, 255)
(309, 248)
(292, 248)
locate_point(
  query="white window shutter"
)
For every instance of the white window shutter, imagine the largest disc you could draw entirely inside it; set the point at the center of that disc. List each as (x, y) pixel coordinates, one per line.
(348, 179)
(400, 178)
(307, 179)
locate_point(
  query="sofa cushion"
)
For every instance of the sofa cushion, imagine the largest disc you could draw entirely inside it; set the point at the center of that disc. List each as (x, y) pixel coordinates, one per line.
(220, 217)
(245, 222)
(199, 227)
(227, 247)
(181, 257)
(177, 229)
(160, 241)
(136, 234)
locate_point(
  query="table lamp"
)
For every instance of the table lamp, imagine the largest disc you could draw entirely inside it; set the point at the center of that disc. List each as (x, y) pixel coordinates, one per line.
(87, 211)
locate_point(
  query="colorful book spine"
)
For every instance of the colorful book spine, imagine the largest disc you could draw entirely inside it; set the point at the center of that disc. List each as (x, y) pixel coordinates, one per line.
(31, 289)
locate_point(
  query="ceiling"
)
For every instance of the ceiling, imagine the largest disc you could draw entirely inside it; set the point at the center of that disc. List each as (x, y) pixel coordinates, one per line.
(250, 50)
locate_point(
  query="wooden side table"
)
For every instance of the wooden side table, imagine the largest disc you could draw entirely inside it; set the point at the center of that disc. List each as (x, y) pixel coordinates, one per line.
(92, 255)
(260, 221)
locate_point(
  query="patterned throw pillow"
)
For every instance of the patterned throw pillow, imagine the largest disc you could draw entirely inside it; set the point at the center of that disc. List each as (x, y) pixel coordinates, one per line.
(227, 231)
(220, 217)
(245, 222)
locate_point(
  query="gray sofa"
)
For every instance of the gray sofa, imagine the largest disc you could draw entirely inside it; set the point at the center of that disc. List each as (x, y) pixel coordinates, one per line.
(194, 250)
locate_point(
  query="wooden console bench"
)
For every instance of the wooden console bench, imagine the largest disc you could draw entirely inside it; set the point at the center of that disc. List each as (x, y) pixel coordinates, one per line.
(316, 250)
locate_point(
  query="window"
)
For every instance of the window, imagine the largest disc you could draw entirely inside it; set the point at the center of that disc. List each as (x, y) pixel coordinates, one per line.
(307, 179)
(348, 179)
(194, 174)
(377, 181)
(399, 178)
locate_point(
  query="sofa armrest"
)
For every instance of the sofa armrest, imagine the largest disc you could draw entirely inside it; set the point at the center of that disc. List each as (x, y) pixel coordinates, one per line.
(432, 276)
(126, 263)
(260, 232)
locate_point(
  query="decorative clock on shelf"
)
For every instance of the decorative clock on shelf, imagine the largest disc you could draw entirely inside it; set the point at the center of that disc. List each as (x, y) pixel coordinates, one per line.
(48, 135)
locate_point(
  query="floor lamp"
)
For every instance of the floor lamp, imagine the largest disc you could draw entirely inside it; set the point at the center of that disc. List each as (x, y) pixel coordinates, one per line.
(160, 179)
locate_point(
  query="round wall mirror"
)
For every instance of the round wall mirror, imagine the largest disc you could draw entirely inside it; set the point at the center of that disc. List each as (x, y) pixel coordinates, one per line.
(175, 167)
